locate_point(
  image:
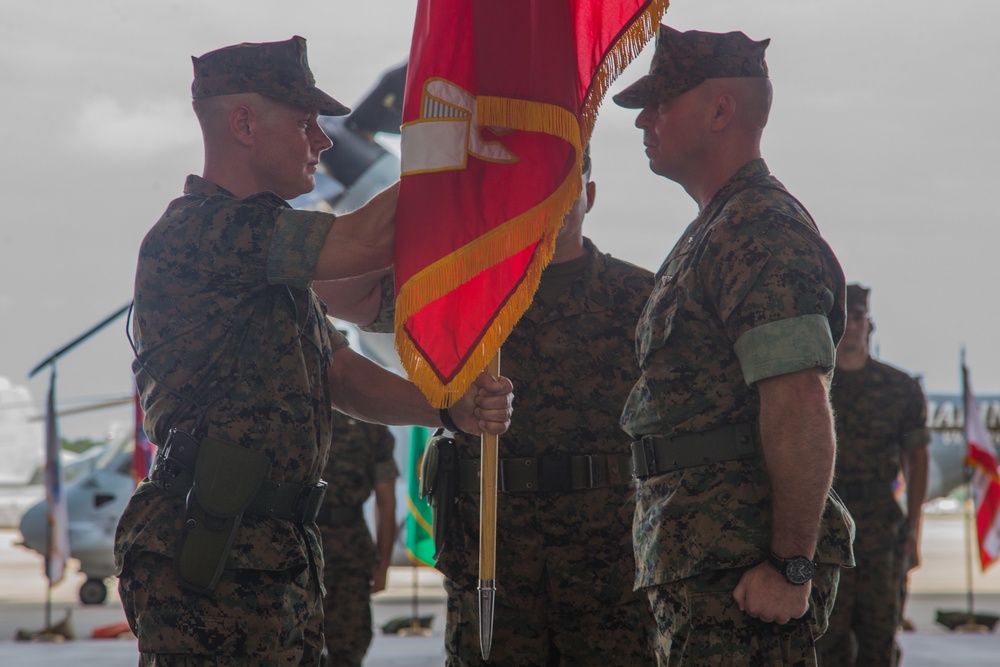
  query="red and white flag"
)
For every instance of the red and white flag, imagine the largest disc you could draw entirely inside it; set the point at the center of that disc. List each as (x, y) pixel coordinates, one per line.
(501, 98)
(985, 483)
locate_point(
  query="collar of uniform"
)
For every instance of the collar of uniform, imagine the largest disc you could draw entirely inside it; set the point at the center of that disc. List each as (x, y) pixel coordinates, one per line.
(742, 179)
(587, 295)
(200, 187)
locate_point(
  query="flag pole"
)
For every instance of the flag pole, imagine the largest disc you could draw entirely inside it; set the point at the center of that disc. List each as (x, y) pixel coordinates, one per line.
(969, 602)
(488, 530)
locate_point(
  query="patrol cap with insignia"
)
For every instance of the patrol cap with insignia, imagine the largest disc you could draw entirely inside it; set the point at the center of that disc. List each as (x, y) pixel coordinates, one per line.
(275, 69)
(683, 60)
(857, 297)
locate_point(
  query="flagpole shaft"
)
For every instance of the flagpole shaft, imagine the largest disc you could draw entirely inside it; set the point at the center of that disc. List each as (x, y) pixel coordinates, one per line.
(968, 489)
(488, 530)
(488, 495)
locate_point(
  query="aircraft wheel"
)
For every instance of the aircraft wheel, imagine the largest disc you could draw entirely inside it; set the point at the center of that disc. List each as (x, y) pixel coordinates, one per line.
(93, 591)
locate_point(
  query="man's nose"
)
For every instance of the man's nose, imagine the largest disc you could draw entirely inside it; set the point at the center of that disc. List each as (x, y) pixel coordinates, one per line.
(642, 121)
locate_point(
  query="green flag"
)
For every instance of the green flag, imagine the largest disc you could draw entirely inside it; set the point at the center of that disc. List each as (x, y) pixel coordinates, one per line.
(419, 536)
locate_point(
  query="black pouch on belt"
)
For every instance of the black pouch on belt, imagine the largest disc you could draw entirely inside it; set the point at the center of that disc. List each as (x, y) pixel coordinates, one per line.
(439, 484)
(227, 477)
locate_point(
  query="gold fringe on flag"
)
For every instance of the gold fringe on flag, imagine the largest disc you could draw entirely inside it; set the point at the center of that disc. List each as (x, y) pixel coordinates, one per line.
(622, 52)
(539, 224)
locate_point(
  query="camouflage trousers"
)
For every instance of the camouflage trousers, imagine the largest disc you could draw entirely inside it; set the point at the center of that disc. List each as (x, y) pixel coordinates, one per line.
(255, 617)
(864, 621)
(349, 557)
(700, 625)
(530, 629)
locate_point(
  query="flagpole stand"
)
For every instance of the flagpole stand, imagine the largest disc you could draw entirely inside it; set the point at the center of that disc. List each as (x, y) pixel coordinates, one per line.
(969, 621)
(416, 628)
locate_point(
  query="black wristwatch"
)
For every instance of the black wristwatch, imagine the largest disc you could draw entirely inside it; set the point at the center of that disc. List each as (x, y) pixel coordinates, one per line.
(797, 569)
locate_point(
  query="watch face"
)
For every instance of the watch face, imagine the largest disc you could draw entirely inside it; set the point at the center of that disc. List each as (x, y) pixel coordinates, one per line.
(799, 570)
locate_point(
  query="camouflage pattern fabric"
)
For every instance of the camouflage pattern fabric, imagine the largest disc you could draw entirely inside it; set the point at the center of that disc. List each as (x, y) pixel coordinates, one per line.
(564, 564)
(880, 412)
(360, 457)
(700, 624)
(751, 262)
(265, 618)
(231, 338)
(277, 69)
(752, 258)
(683, 60)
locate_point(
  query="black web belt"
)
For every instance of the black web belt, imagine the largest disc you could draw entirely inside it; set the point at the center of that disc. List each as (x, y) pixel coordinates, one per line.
(548, 474)
(658, 454)
(173, 471)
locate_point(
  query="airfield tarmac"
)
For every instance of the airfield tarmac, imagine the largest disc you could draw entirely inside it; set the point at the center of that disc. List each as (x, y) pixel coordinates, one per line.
(940, 584)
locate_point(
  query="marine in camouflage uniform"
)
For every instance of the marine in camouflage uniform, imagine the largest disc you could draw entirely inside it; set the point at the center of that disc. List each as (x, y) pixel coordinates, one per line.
(746, 307)
(360, 463)
(881, 418)
(218, 557)
(564, 563)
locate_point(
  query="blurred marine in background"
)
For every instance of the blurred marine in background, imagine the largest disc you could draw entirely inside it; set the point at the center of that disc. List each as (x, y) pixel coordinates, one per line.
(565, 503)
(354, 567)
(881, 419)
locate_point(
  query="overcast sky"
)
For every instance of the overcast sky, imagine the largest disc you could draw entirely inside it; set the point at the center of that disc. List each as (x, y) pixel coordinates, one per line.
(883, 125)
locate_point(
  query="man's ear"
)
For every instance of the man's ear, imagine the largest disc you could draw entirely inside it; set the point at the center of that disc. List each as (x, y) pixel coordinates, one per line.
(241, 124)
(591, 194)
(724, 111)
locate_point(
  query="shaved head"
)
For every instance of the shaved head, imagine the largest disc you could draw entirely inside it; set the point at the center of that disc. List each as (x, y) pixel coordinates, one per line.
(213, 112)
(753, 100)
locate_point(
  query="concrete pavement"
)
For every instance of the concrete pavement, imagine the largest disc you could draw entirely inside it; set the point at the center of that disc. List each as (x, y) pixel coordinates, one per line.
(938, 585)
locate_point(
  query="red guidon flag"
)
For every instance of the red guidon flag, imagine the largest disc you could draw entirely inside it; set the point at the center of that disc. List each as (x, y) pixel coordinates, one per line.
(985, 483)
(500, 99)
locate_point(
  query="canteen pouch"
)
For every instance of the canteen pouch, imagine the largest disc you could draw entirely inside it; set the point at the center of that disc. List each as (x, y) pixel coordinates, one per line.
(439, 484)
(227, 477)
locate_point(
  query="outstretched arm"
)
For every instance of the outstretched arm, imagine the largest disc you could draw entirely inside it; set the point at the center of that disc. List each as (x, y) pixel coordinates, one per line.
(357, 299)
(363, 389)
(361, 241)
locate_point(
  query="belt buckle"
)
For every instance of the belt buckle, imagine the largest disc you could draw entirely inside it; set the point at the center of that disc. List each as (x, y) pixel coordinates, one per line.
(309, 501)
(649, 452)
(590, 470)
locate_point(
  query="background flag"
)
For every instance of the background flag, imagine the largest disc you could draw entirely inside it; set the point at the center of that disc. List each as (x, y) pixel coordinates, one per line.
(419, 536)
(985, 484)
(500, 99)
(142, 455)
(55, 497)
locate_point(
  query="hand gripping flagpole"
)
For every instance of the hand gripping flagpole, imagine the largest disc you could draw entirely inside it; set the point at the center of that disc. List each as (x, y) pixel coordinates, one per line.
(488, 530)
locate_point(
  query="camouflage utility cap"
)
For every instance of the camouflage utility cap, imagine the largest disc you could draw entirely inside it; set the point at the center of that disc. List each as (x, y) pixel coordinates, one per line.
(275, 69)
(857, 297)
(683, 60)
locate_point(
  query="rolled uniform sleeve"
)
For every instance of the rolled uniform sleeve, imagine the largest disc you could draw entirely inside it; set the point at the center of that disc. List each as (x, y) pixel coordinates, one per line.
(295, 245)
(786, 346)
(774, 286)
(386, 320)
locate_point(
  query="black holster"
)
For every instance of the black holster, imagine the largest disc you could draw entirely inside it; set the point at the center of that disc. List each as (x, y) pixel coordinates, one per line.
(439, 485)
